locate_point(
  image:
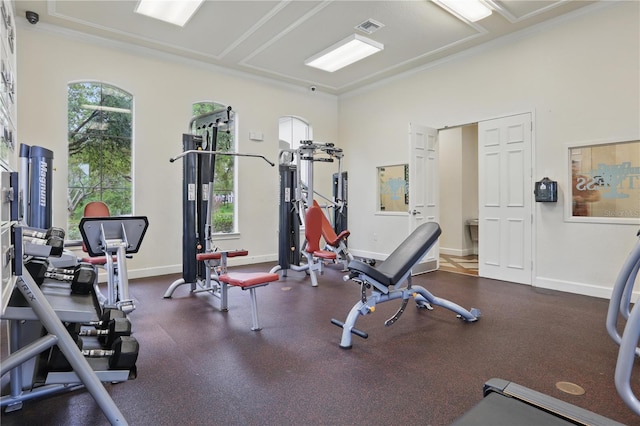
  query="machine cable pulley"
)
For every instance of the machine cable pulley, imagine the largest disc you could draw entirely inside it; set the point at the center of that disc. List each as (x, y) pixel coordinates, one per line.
(218, 121)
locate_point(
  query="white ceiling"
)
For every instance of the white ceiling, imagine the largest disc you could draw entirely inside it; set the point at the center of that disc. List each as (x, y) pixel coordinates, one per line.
(273, 38)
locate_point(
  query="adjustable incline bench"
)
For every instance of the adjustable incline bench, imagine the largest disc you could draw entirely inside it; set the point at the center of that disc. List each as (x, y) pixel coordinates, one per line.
(385, 280)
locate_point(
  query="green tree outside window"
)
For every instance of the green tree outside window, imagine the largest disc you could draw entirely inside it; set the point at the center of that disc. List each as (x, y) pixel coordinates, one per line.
(100, 121)
(223, 215)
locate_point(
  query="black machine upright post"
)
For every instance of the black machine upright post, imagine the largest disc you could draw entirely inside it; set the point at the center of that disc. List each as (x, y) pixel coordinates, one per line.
(206, 172)
(340, 195)
(289, 237)
(189, 207)
(198, 172)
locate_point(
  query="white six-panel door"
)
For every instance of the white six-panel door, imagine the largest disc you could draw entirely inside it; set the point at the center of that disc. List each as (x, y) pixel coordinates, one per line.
(423, 186)
(505, 198)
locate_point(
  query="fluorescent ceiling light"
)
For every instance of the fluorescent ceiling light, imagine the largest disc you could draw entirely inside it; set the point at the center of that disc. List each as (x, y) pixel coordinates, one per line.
(177, 12)
(470, 10)
(346, 52)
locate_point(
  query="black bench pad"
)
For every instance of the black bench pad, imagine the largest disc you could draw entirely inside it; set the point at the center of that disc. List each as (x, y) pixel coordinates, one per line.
(403, 258)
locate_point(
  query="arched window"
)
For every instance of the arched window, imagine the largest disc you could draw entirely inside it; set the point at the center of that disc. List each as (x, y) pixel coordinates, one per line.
(292, 130)
(100, 123)
(224, 182)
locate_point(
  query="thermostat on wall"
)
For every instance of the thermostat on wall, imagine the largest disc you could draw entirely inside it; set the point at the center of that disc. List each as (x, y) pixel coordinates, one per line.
(256, 136)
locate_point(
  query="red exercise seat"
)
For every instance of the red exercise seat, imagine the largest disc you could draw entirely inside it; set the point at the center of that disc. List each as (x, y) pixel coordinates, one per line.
(249, 279)
(313, 232)
(96, 209)
(328, 233)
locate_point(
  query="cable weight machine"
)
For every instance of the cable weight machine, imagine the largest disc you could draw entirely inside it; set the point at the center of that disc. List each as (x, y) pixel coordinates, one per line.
(198, 159)
(297, 195)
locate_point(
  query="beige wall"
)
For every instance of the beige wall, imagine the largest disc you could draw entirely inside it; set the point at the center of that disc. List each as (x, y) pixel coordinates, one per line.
(164, 89)
(579, 77)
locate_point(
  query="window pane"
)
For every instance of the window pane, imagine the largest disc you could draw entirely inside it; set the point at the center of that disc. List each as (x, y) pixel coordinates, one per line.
(100, 150)
(293, 130)
(223, 215)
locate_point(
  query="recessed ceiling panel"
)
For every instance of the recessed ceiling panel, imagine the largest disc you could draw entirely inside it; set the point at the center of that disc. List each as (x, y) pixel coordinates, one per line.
(273, 38)
(521, 9)
(216, 25)
(412, 30)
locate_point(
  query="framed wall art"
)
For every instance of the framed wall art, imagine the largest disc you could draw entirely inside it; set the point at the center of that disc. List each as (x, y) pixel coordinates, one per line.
(393, 188)
(604, 182)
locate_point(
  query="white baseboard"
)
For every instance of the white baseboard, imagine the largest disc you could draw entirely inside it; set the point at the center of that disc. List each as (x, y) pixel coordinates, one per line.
(456, 252)
(368, 254)
(578, 288)
(176, 269)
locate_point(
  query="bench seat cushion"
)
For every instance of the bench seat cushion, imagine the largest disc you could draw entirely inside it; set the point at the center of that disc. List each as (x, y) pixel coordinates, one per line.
(249, 279)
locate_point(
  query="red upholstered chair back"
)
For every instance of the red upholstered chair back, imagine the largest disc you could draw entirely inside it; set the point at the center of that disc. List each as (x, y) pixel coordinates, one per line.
(313, 228)
(96, 209)
(327, 230)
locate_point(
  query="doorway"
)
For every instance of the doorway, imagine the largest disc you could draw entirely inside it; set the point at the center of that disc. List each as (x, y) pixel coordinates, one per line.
(459, 199)
(504, 182)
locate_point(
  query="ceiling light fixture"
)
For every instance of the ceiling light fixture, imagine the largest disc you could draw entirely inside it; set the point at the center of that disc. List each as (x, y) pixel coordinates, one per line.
(343, 53)
(469, 10)
(177, 12)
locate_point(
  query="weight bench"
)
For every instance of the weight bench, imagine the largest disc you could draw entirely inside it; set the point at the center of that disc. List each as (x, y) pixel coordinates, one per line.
(385, 281)
(250, 281)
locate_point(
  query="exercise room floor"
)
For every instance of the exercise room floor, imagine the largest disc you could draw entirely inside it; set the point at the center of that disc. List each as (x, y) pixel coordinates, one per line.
(199, 366)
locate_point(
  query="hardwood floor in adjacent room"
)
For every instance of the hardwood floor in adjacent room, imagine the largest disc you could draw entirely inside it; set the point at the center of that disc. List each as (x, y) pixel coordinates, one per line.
(467, 265)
